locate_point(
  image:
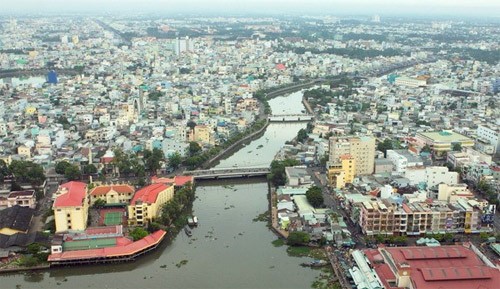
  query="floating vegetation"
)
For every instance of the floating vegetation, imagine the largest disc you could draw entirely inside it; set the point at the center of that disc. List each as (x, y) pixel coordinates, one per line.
(260, 146)
(298, 251)
(163, 266)
(278, 242)
(181, 263)
(264, 217)
(271, 267)
(249, 152)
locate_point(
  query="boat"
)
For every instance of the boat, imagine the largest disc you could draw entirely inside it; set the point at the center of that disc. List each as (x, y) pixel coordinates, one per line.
(188, 232)
(193, 221)
(315, 263)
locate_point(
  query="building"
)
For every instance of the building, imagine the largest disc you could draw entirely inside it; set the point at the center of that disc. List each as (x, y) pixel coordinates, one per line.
(22, 198)
(298, 176)
(411, 82)
(455, 266)
(443, 141)
(402, 159)
(24, 151)
(112, 194)
(341, 173)
(15, 220)
(418, 218)
(71, 207)
(491, 135)
(146, 204)
(431, 176)
(362, 149)
(451, 193)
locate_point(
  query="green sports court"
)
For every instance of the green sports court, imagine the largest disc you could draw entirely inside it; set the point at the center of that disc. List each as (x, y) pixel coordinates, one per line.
(113, 218)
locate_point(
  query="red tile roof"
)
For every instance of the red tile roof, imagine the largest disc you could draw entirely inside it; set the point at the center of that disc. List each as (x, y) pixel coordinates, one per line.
(102, 190)
(454, 267)
(182, 180)
(157, 180)
(148, 194)
(74, 196)
(123, 248)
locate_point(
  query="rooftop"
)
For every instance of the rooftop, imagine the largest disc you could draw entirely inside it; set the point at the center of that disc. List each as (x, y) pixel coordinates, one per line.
(148, 194)
(445, 136)
(73, 194)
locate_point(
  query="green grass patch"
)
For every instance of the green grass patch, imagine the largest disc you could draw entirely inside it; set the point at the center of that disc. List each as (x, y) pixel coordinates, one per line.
(298, 251)
(278, 243)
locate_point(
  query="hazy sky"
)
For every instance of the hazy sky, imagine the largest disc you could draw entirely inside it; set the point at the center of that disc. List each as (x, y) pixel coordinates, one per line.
(382, 7)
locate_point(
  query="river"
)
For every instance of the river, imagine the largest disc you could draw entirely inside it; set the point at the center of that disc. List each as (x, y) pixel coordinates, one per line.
(227, 250)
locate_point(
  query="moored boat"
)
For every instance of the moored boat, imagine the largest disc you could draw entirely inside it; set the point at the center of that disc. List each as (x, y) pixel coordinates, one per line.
(188, 232)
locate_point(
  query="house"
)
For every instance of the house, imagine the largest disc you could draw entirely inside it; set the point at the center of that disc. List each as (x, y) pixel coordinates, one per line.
(15, 219)
(22, 198)
(112, 194)
(146, 203)
(71, 207)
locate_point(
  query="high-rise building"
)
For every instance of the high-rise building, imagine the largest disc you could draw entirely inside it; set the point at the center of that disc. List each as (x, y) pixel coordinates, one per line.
(362, 150)
(342, 172)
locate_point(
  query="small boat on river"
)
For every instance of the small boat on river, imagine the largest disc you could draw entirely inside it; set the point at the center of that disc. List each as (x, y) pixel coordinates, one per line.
(193, 221)
(188, 232)
(315, 263)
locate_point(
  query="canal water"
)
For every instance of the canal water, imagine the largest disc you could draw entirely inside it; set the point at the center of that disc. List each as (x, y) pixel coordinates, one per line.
(227, 250)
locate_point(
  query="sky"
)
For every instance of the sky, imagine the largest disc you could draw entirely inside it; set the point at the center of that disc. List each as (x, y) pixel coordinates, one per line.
(471, 8)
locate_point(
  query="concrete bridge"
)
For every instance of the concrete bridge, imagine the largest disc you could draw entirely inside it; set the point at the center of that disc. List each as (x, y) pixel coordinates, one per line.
(290, 117)
(229, 173)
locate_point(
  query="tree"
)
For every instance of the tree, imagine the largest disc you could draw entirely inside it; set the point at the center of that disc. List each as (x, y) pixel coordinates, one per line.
(315, 196)
(191, 124)
(4, 171)
(194, 148)
(138, 233)
(426, 149)
(457, 147)
(99, 203)
(174, 160)
(27, 172)
(61, 167)
(277, 174)
(298, 238)
(72, 173)
(302, 135)
(153, 159)
(90, 169)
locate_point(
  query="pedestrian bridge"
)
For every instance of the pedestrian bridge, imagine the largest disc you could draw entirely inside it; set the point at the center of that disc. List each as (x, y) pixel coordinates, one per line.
(229, 173)
(290, 117)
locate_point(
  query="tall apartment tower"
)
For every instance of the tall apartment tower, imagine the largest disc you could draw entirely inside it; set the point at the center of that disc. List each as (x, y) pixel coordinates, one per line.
(362, 149)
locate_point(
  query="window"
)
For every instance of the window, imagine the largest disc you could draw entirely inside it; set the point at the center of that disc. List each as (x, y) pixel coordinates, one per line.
(68, 215)
(78, 209)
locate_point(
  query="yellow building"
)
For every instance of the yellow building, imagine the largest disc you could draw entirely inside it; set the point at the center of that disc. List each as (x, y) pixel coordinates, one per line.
(30, 110)
(203, 134)
(443, 141)
(112, 194)
(146, 204)
(342, 172)
(24, 151)
(362, 150)
(71, 207)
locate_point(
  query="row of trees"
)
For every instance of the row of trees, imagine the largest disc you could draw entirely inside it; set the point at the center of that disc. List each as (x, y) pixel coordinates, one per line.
(72, 172)
(183, 198)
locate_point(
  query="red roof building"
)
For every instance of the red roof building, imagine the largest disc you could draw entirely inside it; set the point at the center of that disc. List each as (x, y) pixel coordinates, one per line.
(146, 203)
(112, 194)
(71, 194)
(446, 267)
(71, 207)
(178, 181)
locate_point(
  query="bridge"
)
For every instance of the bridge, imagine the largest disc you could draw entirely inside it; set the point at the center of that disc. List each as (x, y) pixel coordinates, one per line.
(290, 117)
(229, 173)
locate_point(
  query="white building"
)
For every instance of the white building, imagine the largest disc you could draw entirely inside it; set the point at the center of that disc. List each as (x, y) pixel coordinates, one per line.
(402, 159)
(431, 176)
(491, 135)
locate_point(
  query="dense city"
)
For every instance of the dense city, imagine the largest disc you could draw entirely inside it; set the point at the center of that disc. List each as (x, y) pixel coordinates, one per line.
(372, 144)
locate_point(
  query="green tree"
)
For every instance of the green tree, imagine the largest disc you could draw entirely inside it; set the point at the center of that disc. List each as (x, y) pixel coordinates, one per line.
(72, 173)
(277, 174)
(99, 203)
(90, 169)
(138, 233)
(302, 135)
(61, 167)
(153, 159)
(27, 172)
(174, 160)
(315, 196)
(298, 238)
(4, 171)
(193, 148)
(457, 147)
(426, 149)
